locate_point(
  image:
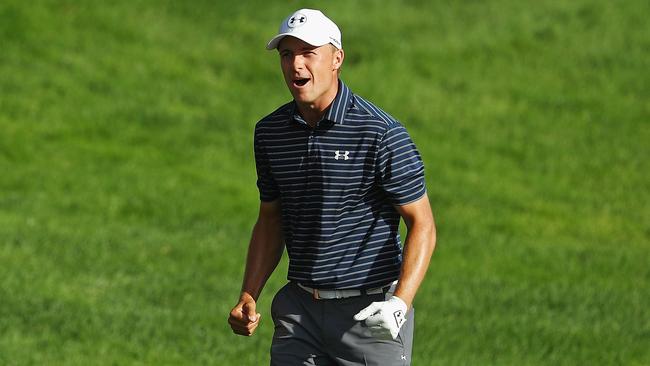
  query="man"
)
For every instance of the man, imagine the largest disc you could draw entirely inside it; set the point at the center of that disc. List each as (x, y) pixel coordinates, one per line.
(335, 175)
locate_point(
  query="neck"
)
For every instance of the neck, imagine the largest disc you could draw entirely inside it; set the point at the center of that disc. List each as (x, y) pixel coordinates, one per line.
(313, 112)
(310, 113)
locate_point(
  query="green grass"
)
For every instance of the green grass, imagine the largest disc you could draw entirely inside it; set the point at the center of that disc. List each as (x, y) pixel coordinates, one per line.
(127, 185)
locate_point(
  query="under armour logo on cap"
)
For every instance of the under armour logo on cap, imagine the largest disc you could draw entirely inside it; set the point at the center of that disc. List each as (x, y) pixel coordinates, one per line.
(297, 20)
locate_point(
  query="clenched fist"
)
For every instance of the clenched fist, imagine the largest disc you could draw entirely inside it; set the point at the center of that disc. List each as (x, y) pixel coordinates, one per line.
(243, 319)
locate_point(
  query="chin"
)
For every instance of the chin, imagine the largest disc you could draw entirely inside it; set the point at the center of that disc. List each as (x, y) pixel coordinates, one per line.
(302, 98)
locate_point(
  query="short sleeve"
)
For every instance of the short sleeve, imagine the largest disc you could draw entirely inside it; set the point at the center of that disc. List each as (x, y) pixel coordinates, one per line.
(265, 182)
(400, 167)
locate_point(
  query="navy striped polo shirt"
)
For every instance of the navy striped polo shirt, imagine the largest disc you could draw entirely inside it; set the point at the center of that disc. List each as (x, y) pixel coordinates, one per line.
(337, 184)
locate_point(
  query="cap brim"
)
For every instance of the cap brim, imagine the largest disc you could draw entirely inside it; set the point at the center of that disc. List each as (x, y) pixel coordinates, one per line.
(275, 41)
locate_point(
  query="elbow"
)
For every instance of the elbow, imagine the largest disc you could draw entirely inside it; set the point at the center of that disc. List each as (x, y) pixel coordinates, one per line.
(428, 228)
(426, 231)
(431, 234)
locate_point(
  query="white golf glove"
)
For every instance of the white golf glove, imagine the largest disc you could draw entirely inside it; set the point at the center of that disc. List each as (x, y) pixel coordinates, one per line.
(384, 318)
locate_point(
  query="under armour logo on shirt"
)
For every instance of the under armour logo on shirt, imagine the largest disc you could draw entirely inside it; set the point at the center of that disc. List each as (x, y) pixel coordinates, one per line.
(338, 155)
(297, 20)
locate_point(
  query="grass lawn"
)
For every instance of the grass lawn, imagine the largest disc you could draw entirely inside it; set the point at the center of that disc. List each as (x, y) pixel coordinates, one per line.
(127, 183)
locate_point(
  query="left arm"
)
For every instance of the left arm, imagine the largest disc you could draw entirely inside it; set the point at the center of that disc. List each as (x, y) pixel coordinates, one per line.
(385, 318)
(418, 247)
(401, 175)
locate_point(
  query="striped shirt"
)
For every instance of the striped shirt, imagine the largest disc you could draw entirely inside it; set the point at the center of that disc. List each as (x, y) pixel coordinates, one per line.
(338, 184)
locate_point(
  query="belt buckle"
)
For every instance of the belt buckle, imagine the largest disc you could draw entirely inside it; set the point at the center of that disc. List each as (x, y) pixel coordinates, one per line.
(315, 294)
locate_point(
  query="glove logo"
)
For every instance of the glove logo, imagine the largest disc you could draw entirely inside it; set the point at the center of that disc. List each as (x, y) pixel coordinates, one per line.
(399, 318)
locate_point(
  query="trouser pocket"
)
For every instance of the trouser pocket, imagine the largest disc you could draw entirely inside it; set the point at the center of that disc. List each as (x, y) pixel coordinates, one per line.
(277, 300)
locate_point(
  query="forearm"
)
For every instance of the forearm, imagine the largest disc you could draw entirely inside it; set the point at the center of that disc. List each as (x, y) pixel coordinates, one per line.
(264, 253)
(418, 248)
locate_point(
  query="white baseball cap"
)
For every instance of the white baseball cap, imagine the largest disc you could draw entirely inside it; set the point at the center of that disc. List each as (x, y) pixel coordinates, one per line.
(309, 25)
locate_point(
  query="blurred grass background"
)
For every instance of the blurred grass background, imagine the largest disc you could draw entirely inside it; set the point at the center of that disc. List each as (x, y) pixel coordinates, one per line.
(127, 183)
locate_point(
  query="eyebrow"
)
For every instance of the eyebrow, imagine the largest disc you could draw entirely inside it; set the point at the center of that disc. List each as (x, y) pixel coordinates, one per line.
(302, 49)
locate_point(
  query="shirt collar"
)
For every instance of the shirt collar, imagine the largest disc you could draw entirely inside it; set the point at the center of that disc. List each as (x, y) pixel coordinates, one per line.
(336, 111)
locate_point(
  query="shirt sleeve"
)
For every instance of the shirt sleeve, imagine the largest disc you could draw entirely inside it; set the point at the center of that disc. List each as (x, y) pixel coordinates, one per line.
(265, 182)
(400, 167)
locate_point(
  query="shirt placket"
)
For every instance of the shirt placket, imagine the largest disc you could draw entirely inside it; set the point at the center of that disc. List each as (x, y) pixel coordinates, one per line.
(312, 152)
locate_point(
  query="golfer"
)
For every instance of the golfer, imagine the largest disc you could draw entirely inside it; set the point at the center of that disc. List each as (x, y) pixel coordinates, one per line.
(335, 175)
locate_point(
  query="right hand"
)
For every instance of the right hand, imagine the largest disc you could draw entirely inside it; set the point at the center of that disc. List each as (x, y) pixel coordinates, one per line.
(243, 318)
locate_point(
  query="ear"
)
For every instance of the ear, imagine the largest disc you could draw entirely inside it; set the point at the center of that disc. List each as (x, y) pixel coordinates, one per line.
(337, 60)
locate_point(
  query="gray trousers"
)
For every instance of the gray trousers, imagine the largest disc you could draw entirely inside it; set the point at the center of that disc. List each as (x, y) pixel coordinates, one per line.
(323, 332)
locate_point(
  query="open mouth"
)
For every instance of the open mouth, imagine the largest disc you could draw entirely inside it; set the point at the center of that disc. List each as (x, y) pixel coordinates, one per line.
(300, 81)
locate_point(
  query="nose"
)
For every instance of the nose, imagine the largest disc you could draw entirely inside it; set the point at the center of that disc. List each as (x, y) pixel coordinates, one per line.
(298, 62)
